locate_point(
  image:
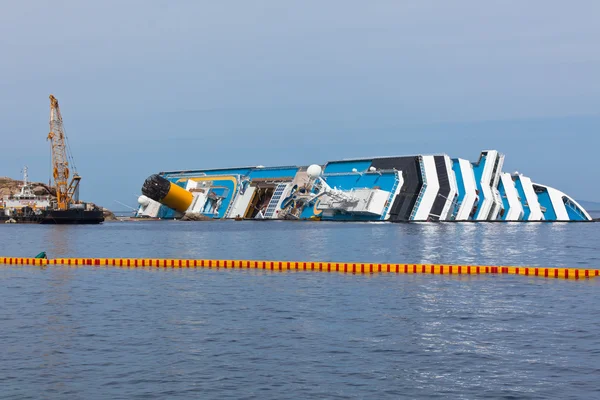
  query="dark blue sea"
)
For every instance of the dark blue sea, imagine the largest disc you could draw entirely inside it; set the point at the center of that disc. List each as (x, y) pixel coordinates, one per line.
(110, 333)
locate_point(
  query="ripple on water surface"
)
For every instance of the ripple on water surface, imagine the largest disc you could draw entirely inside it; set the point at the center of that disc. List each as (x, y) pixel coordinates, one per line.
(113, 333)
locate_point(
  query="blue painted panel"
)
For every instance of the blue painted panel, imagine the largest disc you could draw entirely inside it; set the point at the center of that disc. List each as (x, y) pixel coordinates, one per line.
(347, 166)
(460, 185)
(262, 173)
(219, 187)
(505, 203)
(574, 212)
(545, 202)
(350, 217)
(478, 171)
(519, 187)
(166, 212)
(344, 182)
(307, 213)
(385, 181)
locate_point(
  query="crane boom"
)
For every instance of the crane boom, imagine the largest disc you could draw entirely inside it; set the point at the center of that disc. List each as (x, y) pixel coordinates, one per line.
(66, 192)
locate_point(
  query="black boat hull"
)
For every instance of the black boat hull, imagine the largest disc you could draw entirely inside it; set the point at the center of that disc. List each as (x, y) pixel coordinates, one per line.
(72, 217)
(27, 219)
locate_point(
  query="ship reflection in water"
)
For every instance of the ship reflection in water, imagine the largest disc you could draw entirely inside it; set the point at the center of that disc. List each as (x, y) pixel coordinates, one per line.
(91, 332)
(60, 241)
(540, 244)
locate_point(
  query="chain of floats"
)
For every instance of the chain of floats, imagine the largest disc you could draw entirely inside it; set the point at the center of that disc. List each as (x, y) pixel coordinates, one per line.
(343, 267)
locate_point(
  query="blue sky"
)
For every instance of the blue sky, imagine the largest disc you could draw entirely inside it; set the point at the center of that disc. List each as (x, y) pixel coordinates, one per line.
(146, 86)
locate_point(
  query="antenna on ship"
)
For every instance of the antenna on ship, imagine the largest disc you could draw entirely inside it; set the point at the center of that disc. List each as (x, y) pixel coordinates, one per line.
(25, 176)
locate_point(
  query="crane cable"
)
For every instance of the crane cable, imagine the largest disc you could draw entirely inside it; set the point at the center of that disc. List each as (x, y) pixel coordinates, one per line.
(70, 158)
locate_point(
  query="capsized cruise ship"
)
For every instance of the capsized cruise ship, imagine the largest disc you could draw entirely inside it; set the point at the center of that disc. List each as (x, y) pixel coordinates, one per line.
(395, 189)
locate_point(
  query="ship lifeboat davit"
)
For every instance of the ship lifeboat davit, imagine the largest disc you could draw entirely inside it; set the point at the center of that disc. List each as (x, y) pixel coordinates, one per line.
(159, 189)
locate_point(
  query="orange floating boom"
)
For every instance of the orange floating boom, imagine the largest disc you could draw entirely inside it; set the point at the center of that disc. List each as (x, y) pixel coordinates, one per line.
(344, 267)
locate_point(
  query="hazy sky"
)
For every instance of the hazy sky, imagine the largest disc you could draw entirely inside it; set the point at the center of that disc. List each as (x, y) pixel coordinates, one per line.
(147, 86)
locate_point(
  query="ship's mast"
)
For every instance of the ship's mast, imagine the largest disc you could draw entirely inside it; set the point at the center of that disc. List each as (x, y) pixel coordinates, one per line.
(25, 177)
(66, 192)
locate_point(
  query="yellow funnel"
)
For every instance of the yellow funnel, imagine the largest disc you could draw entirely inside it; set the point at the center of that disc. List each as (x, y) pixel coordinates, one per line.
(159, 189)
(178, 198)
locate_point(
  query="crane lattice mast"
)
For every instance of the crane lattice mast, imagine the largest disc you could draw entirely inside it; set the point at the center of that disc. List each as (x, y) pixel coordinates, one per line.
(66, 192)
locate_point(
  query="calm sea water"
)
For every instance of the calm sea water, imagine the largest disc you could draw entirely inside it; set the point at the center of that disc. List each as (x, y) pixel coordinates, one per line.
(95, 333)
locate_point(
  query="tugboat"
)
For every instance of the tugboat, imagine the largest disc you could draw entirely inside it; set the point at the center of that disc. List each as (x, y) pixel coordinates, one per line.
(25, 206)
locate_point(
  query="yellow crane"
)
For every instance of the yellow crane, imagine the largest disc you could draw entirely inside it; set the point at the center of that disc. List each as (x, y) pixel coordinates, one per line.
(67, 193)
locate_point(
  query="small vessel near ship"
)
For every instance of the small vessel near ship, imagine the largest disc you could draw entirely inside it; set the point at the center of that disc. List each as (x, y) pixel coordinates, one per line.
(24, 206)
(28, 207)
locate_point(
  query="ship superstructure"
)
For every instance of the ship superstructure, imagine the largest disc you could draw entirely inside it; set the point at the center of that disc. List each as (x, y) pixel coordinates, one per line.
(25, 202)
(397, 189)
